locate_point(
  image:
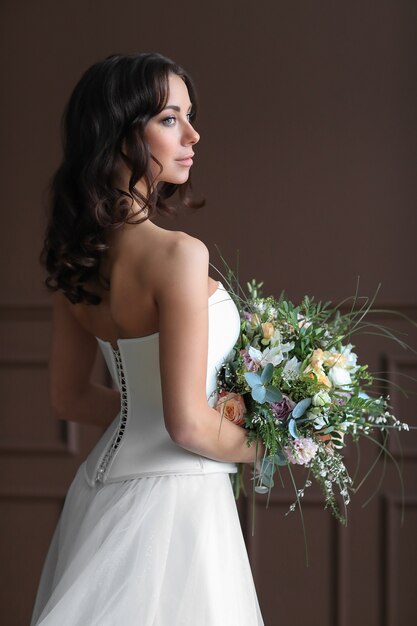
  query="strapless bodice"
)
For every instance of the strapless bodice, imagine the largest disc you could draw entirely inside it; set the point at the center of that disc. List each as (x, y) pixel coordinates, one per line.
(136, 443)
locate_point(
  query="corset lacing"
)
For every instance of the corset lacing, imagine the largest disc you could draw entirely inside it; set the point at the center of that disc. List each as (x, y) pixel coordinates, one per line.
(115, 443)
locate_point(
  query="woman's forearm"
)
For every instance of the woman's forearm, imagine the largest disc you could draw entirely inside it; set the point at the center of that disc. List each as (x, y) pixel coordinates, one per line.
(97, 405)
(209, 435)
(218, 439)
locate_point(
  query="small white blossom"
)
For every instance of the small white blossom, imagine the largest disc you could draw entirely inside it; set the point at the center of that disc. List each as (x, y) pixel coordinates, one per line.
(291, 369)
(302, 321)
(274, 354)
(320, 422)
(258, 419)
(260, 307)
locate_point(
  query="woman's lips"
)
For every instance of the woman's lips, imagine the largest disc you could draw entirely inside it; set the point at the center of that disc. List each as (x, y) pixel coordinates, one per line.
(188, 161)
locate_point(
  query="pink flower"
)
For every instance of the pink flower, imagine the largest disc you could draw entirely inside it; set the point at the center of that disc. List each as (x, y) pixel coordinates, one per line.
(301, 451)
(342, 397)
(250, 365)
(232, 407)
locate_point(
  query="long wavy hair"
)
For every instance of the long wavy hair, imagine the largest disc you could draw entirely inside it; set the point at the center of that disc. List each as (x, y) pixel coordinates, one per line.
(104, 121)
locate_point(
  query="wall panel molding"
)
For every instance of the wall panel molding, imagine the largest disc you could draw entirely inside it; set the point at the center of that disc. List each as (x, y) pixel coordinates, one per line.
(402, 387)
(334, 575)
(394, 595)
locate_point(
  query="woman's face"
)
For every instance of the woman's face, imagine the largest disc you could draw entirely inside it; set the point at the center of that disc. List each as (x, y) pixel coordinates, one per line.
(171, 137)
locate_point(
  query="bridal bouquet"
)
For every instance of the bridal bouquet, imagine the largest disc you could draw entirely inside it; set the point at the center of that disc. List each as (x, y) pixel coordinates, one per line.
(295, 383)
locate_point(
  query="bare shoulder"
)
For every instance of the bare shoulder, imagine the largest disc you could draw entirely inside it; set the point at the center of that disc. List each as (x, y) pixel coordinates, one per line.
(182, 265)
(183, 248)
(153, 244)
(154, 264)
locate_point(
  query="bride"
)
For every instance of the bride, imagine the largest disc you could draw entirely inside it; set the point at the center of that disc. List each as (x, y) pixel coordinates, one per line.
(149, 533)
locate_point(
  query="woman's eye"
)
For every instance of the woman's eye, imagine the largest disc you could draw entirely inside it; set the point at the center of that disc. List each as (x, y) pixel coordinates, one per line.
(168, 121)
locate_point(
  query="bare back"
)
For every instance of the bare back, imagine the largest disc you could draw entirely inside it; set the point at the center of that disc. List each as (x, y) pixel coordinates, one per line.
(138, 256)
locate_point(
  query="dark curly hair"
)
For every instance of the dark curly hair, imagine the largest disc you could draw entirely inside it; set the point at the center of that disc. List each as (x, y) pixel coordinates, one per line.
(108, 109)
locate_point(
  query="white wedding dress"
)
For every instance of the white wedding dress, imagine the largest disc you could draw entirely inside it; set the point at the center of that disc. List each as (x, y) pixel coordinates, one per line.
(149, 534)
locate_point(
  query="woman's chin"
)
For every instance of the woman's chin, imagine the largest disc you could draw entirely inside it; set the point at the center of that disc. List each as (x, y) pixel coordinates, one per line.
(177, 180)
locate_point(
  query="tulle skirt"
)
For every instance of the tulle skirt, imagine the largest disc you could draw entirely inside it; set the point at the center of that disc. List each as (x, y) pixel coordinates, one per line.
(154, 551)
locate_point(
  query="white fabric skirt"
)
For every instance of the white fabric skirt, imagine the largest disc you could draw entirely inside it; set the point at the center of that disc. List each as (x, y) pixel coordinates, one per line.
(154, 551)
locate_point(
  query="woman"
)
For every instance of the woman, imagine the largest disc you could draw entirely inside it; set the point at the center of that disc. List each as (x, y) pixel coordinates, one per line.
(149, 533)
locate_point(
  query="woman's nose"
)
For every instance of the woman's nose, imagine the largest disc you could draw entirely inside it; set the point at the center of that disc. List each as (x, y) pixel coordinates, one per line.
(192, 136)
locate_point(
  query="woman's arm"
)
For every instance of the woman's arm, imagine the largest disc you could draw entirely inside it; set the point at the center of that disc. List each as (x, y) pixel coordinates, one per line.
(73, 352)
(183, 333)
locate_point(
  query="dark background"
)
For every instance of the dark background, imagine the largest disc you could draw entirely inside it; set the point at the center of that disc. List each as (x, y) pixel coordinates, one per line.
(308, 165)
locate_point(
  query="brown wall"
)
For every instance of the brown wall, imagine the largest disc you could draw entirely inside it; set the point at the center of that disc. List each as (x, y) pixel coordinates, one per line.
(308, 163)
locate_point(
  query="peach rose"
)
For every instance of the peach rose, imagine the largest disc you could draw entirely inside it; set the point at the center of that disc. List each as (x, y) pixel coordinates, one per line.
(316, 368)
(317, 359)
(319, 374)
(322, 379)
(334, 358)
(268, 330)
(232, 407)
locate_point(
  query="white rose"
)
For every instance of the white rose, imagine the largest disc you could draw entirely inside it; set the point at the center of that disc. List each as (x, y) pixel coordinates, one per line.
(339, 377)
(351, 357)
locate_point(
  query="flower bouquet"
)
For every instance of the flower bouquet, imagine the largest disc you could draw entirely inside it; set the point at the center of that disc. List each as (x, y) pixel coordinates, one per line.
(294, 382)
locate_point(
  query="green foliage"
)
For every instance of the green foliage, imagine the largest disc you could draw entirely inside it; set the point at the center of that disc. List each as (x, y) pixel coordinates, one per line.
(303, 388)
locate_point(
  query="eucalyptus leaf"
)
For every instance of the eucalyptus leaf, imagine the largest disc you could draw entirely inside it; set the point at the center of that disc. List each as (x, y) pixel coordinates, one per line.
(259, 393)
(267, 464)
(273, 394)
(267, 472)
(280, 458)
(292, 429)
(267, 373)
(301, 407)
(252, 378)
